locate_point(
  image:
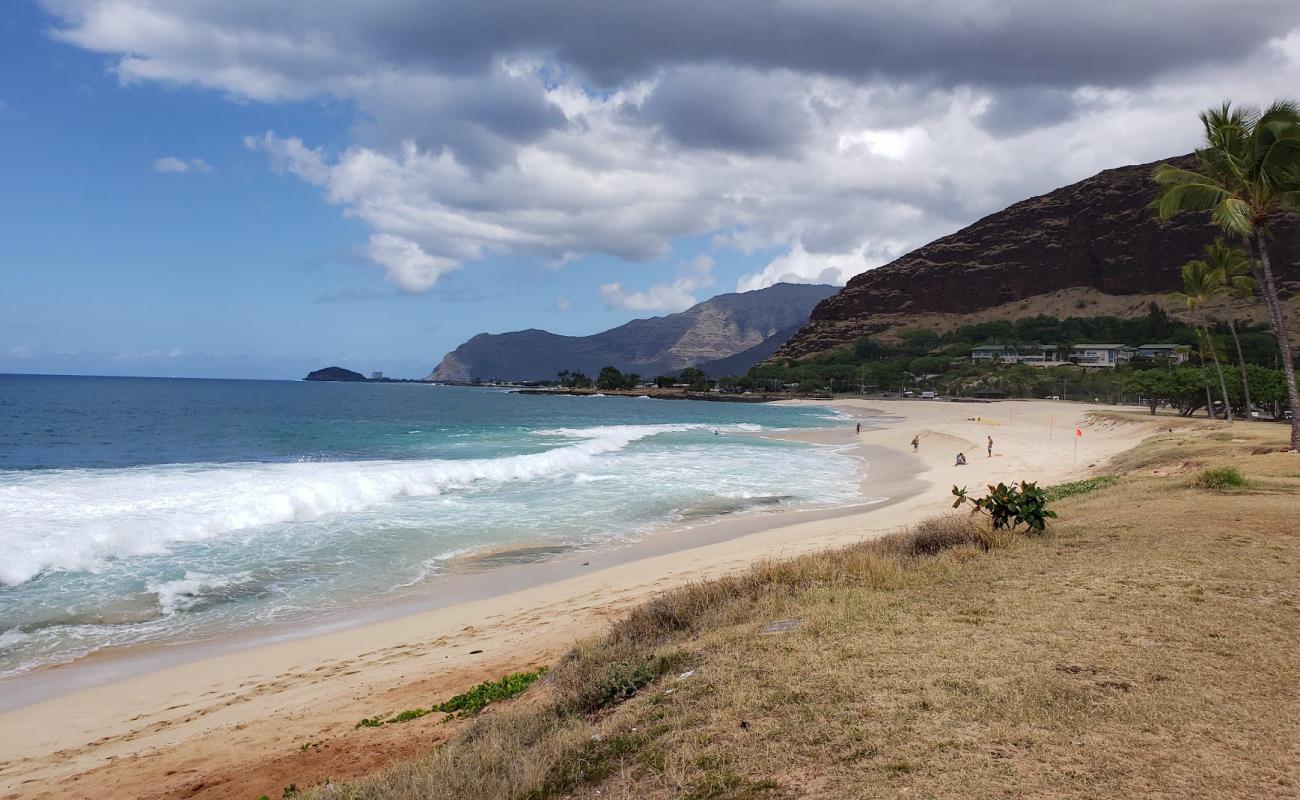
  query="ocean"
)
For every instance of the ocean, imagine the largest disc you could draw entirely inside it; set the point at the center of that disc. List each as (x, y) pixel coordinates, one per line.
(142, 511)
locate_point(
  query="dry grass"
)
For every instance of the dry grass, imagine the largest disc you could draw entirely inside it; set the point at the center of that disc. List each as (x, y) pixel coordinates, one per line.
(1127, 654)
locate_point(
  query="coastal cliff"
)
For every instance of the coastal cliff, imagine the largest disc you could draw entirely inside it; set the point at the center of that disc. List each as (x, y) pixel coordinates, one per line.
(742, 327)
(1086, 249)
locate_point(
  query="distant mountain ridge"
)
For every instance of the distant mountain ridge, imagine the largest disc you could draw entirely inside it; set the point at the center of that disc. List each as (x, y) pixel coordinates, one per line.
(723, 327)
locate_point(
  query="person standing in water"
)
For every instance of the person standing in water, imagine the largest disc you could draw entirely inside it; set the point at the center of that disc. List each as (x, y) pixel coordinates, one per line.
(990, 447)
(859, 428)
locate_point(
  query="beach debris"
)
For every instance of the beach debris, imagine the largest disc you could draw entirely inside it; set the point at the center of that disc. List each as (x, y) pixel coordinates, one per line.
(475, 652)
(780, 626)
(688, 673)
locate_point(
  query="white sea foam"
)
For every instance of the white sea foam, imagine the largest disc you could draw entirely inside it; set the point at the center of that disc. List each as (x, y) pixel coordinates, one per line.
(81, 519)
(185, 593)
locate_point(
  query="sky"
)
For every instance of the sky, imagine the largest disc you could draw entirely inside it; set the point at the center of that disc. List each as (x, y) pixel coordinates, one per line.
(236, 188)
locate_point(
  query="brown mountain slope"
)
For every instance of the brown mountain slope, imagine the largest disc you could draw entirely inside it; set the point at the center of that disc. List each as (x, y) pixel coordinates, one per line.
(1094, 242)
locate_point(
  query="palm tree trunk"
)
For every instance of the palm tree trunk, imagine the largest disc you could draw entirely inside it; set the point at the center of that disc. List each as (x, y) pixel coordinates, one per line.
(1223, 385)
(1205, 381)
(1241, 359)
(1283, 337)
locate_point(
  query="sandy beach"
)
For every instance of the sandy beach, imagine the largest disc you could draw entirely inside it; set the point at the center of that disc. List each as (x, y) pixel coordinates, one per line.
(253, 720)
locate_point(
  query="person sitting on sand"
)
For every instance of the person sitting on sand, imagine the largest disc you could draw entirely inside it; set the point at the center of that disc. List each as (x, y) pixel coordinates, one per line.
(961, 460)
(916, 443)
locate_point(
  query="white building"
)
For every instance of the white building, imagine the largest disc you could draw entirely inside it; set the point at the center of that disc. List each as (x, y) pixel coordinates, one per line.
(1100, 355)
(1033, 355)
(1172, 353)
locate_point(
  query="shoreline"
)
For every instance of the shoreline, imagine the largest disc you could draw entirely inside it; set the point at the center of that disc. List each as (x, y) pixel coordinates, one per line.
(234, 706)
(465, 582)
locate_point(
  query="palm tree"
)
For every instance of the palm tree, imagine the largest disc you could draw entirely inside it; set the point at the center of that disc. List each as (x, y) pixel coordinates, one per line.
(1248, 170)
(1201, 282)
(1234, 268)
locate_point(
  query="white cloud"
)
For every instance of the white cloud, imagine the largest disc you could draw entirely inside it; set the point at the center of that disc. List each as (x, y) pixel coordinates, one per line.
(173, 164)
(406, 264)
(838, 134)
(679, 295)
(563, 304)
(799, 266)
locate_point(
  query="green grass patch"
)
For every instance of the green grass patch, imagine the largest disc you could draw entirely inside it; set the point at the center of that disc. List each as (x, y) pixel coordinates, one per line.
(466, 703)
(1220, 479)
(1063, 490)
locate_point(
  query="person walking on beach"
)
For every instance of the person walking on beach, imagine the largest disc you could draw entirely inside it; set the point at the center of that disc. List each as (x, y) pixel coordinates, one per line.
(916, 443)
(990, 447)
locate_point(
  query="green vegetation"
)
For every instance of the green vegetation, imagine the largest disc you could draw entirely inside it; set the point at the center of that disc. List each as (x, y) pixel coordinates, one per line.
(466, 703)
(478, 698)
(574, 380)
(1248, 173)
(1219, 479)
(1009, 507)
(1184, 388)
(930, 360)
(611, 378)
(695, 378)
(1201, 283)
(1063, 490)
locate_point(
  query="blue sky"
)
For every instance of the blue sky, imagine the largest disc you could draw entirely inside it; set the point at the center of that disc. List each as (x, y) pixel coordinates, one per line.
(236, 188)
(111, 267)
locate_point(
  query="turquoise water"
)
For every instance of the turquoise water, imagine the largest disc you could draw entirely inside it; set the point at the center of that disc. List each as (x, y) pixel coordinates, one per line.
(150, 510)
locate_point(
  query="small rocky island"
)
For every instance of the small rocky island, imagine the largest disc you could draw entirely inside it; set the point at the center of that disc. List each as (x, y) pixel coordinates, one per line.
(335, 374)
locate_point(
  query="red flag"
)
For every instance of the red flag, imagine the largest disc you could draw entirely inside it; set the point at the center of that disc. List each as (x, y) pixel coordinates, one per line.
(1078, 432)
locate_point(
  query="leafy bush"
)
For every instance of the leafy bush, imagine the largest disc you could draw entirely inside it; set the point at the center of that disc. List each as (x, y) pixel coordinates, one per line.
(624, 680)
(476, 699)
(1010, 506)
(466, 703)
(1063, 490)
(1220, 479)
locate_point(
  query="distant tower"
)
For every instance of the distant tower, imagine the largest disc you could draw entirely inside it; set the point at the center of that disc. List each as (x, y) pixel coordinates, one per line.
(376, 376)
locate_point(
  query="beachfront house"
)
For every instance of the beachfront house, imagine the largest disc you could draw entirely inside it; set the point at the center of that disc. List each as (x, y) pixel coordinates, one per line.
(1033, 355)
(1168, 353)
(988, 352)
(1100, 355)
(1041, 356)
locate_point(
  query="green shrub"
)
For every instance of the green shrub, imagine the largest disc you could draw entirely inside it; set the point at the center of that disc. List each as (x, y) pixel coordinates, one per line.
(462, 705)
(623, 680)
(466, 703)
(1220, 479)
(1010, 506)
(1063, 490)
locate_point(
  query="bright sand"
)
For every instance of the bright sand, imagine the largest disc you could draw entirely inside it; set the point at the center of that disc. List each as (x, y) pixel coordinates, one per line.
(234, 723)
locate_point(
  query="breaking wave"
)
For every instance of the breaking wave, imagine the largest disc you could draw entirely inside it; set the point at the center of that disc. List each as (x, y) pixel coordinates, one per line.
(81, 519)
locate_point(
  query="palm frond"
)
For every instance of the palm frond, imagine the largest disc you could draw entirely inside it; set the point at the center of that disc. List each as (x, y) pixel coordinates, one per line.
(1284, 109)
(1168, 175)
(1233, 215)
